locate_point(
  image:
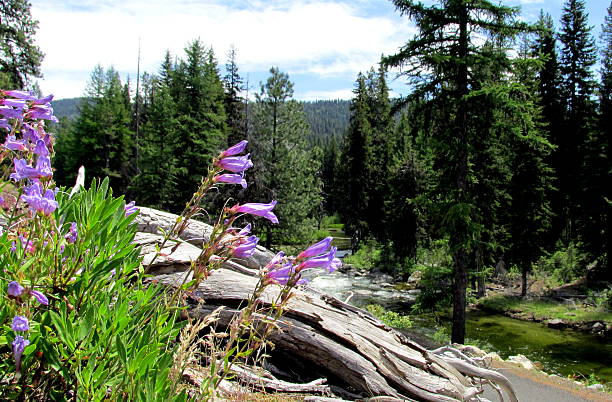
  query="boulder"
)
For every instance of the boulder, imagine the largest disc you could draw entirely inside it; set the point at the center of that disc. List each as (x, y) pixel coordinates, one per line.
(556, 323)
(522, 361)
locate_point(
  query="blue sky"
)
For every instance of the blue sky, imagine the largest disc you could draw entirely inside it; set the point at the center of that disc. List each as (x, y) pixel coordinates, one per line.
(321, 44)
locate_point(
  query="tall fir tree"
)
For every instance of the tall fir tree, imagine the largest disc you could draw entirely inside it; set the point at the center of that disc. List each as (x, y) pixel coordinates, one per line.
(285, 168)
(20, 58)
(438, 60)
(233, 100)
(577, 58)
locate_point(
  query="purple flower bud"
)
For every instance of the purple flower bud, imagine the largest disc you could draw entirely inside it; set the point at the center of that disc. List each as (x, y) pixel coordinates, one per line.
(316, 249)
(258, 209)
(72, 236)
(41, 298)
(246, 249)
(19, 344)
(235, 164)
(130, 208)
(234, 149)
(14, 289)
(20, 324)
(231, 179)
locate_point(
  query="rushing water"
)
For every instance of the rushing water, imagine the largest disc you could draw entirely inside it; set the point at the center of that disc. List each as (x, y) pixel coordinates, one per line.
(564, 352)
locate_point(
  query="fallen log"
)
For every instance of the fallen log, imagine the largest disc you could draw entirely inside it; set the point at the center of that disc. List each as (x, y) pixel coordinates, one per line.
(322, 337)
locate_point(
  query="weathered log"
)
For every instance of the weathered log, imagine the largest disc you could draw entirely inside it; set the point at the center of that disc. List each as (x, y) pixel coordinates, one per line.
(322, 337)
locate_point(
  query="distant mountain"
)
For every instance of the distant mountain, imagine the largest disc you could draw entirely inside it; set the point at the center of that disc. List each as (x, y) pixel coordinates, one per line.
(327, 118)
(66, 107)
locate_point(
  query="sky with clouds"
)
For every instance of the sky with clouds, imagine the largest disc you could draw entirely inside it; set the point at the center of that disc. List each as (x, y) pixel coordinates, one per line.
(321, 44)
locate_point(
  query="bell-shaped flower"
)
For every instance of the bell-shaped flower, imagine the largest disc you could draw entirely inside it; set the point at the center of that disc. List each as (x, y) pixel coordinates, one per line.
(14, 289)
(41, 148)
(231, 179)
(235, 164)
(245, 230)
(316, 249)
(282, 274)
(4, 123)
(38, 202)
(19, 344)
(20, 324)
(11, 113)
(234, 149)
(246, 248)
(44, 112)
(258, 209)
(14, 93)
(326, 261)
(14, 144)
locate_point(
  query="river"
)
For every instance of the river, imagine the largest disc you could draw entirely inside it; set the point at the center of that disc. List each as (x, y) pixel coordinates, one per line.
(563, 352)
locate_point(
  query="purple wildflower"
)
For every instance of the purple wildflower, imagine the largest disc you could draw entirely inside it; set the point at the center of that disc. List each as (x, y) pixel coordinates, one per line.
(41, 298)
(14, 144)
(19, 94)
(258, 209)
(30, 133)
(10, 113)
(42, 101)
(4, 123)
(245, 230)
(326, 261)
(26, 244)
(130, 208)
(20, 324)
(14, 289)
(235, 164)
(282, 274)
(72, 236)
(17, 103)
(25, 171)
(234, 149)
(19, 344)
(246, 248)
(231, 179)
(41, 148)
(44, 112)
(38, 202)
(316, 249)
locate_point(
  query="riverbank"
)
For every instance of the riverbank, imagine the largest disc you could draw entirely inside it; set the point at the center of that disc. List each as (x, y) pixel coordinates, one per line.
(554, 314)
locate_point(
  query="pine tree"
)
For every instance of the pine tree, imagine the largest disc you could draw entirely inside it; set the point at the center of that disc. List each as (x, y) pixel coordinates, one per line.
(285, 169)
(233, 100)
(438, 60)
(20, 58)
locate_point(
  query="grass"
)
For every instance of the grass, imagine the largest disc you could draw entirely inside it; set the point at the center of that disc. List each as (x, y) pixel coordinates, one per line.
(544, 310)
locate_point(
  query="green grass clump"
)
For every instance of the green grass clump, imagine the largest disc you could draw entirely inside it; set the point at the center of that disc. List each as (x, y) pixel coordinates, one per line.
(390, 318)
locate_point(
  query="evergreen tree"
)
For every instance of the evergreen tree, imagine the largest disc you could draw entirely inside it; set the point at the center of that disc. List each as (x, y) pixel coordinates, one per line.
(358, 170)
(102, 138)
(20, 58)
(439, 59)
(233, 100)
(578, 55)
(285, 169)
(201, 120)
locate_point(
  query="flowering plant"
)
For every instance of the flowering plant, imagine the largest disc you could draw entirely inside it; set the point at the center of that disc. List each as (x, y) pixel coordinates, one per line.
(78, 320)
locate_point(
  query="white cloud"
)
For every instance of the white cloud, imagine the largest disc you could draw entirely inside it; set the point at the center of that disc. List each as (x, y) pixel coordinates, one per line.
(321, 37)
(325, 95)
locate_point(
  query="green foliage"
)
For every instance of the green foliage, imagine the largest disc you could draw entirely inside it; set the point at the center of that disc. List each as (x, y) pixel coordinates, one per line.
(368, 256)
(20, 58)
(564, 265)
(103, 334)
(390, 318)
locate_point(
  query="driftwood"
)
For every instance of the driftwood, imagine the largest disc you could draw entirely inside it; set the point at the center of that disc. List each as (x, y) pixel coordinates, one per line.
(322, 337)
